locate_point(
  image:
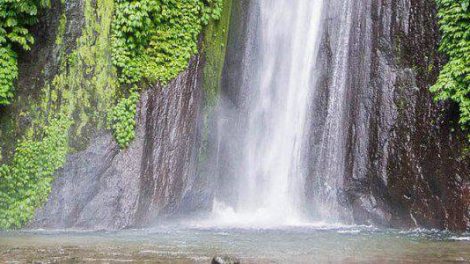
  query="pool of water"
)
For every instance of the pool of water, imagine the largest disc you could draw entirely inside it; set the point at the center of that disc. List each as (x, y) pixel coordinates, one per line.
(307, 244)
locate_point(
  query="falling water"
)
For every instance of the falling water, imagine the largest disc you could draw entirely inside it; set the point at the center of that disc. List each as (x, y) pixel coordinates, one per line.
(278, 79)
(330, 152)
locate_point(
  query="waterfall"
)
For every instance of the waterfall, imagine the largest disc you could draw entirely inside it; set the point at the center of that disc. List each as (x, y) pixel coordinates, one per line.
(277, 82)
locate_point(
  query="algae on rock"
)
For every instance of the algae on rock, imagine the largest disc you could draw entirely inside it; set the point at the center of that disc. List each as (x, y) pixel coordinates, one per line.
(76, 89)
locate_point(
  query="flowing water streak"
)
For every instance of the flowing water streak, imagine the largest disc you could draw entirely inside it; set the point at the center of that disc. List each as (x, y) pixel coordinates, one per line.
(331, 151)
(272, 173)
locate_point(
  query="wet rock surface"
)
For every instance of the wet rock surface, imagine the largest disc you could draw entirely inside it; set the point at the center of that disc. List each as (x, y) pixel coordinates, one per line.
(101, 186)
(405, 161)
(104, 187)
(226, 144)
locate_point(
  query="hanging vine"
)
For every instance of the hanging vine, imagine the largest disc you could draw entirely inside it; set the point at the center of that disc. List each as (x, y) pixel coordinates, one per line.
(15, 19)
(454, 79)
(152, 41)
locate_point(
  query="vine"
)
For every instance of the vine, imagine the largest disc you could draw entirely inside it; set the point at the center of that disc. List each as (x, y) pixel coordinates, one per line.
(15, 18)
(25, 183)
(153, 40)
(454, 79)
(122, 118)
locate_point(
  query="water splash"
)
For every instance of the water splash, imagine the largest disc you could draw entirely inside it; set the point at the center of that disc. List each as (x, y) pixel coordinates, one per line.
(224, 216)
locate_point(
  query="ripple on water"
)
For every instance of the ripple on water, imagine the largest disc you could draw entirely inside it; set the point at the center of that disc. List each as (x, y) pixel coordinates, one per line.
(299, 244)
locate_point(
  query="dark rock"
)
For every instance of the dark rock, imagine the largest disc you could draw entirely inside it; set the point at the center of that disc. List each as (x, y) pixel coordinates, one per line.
(225, 260)
(405, 161)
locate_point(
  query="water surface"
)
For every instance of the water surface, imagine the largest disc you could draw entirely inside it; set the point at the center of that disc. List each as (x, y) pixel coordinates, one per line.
(314, 244)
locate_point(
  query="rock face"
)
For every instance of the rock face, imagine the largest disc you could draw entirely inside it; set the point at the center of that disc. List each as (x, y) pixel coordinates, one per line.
(101, 186)
(105, 188)
(405, 160)
(226, 151)
(225, 260)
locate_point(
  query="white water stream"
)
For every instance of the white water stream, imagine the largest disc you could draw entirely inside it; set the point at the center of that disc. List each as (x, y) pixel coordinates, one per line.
(272, 172)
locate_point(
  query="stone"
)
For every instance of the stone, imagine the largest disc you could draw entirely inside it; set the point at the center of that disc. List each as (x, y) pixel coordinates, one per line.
(225, 260)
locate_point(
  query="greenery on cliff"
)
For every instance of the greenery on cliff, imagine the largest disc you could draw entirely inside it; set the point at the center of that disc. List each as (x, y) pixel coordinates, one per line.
(454, 79)
(15, 19)
(25, 183)
(153, 41)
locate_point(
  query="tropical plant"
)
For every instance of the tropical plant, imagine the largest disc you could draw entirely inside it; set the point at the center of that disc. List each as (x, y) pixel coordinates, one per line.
(454, 79)
(153, 40)
(16, 16)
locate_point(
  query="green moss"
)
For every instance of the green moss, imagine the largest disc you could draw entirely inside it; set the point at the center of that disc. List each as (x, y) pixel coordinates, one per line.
(94, 84)
(215, 42)
(214, 48)
(7, 133)
(82, 90)
(85, 82)
(61, 30)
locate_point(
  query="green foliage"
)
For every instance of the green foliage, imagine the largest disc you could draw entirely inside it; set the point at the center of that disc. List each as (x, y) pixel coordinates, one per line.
(153, 40)
(454, 79)
(8, 73)
(122, 119)
(86, 78)
(15, 18)
(82, 89)
(25, 183)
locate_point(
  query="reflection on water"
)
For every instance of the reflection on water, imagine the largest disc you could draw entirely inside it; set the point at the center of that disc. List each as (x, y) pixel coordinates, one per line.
(198, 245)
